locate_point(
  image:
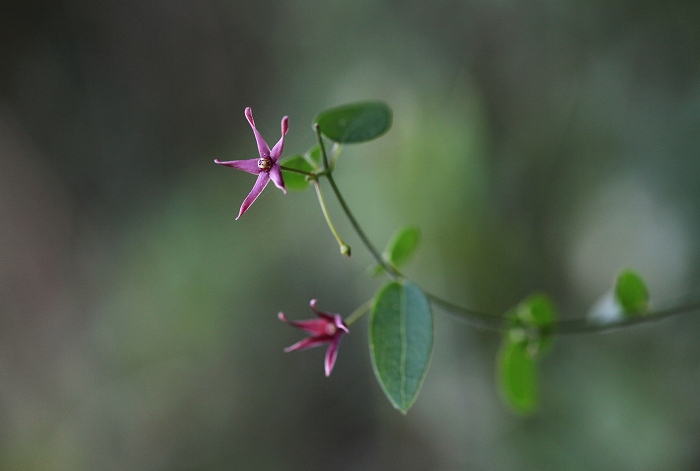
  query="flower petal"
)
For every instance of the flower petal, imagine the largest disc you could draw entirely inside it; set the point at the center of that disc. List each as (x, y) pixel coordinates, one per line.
(332, 354)
(309, 342)
(259, 186)
(276, 176)
(263, 148)
(323, 315)
(313, 326)
(340, 324)
(276, 151)
(250, 165)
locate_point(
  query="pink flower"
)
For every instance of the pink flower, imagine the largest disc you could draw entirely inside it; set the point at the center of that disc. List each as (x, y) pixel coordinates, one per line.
(266, 167)
(328, 328)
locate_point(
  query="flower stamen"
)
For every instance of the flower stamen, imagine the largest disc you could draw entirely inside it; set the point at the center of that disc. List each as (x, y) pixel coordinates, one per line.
(264, 163)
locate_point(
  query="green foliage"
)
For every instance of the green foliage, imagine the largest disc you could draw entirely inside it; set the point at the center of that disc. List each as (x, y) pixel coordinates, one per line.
(537, 315)
(400, 248)
(528, 338)
(355, 122)
(401, 341)
(315, 157)
(632, 293)
(537, 310)
(517, 374)
(293, 180)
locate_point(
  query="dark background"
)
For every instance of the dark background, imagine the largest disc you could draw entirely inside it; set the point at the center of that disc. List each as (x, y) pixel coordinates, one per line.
(539, 146)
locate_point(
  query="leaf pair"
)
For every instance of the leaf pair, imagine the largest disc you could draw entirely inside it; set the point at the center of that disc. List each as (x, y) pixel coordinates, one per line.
(529, 336)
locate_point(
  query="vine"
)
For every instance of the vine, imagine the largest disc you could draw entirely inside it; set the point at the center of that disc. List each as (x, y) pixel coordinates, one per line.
(401, 325)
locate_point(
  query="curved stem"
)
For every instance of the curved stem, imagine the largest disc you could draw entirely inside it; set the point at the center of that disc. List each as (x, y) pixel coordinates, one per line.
(581, 325)
(390, 270)
(499, 323)
(484, 320)
(359, 312)
(328, 173)
(480, 319)
(584, 326)
(344, 248)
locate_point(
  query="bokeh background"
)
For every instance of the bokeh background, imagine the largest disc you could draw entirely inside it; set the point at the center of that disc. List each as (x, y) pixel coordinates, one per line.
(539, 146)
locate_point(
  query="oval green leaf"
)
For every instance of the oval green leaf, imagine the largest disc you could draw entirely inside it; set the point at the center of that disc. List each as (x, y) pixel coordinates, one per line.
(402, 246)
(517, 374)
(401, 341)
(355, 122)
(293, 180)
(400, 249)
(632, 293)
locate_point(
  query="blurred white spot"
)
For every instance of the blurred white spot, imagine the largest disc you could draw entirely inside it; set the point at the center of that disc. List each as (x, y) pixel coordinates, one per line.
(606, 310)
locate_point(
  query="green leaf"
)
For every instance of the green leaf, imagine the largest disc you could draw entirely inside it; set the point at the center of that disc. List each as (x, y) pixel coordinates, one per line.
(528, 338)
(402, 246)
(632, 293)
(314, 156)
(293, 180)
(399, 249)
(355, 122)
(517, 374)
(401, 341)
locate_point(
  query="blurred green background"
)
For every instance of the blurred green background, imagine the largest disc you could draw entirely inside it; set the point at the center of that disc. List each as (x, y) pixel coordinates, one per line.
(539, 146)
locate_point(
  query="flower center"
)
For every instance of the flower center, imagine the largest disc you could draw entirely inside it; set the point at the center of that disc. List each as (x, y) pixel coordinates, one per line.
(331, 329)
(264, 163)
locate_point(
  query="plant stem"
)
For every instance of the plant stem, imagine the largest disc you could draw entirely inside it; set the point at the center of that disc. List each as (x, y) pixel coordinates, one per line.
(584, 326)
(580, 325)
(294, 170)
(480, 319)
(489, 321)
(328, 173)
(390, 270)
(344, 248)
(359, 312)
(495, 322)
(326, 167)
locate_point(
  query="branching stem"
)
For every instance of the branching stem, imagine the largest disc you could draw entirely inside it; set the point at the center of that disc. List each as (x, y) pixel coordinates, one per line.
(483, 320)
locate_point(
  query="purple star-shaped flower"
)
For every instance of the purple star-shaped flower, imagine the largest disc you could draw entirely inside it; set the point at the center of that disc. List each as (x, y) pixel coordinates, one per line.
(266, 167)
(328, 328)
